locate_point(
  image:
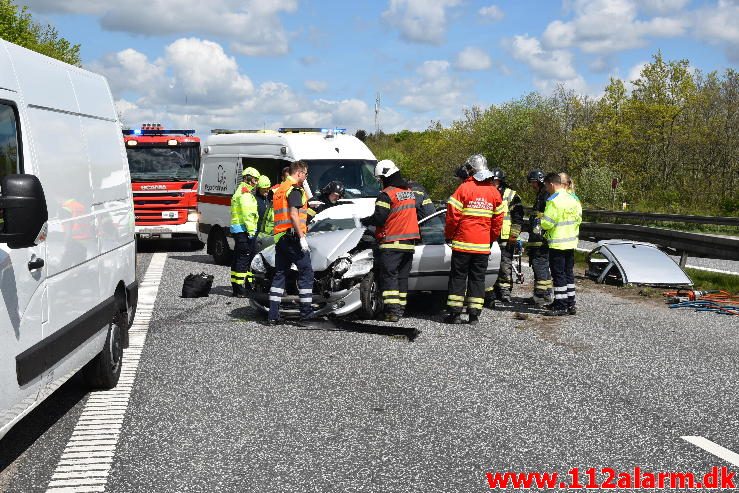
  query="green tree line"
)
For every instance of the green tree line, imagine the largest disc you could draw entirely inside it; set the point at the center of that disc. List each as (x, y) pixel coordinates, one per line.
(17, 26)
(670, 138)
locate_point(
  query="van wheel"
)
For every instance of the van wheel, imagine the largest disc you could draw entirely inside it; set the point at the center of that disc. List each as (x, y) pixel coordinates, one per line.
(369, 293)
(218, 247)
(105, 369)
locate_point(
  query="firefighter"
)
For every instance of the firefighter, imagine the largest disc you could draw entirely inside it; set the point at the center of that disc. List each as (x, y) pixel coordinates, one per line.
(423, 202)
(290, 205)
(537, 246)
(473, 221)
(561, 223)
(264, 200)
(396, 221)
(244, 218)
(329, 196)
(511, 229)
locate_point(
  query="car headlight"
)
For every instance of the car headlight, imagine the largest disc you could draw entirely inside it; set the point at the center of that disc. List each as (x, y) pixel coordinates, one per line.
(257, 265)
(360, 267)
(193, 216)
(341, 266)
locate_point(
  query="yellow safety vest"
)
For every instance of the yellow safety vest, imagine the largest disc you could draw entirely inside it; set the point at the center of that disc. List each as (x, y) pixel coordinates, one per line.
(561, 221)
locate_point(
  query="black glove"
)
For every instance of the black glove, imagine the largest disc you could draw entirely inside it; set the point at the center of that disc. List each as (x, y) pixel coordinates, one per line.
(365, 221)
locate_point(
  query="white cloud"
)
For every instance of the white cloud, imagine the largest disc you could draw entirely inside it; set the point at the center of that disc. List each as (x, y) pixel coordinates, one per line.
(550, 67)
(435, 90)
(491, 13)
(472, 58)
(719, 25)
(634, 74)
(253, 26)
(610, 26)
(419, 21)
(316, 85)
(663, 6)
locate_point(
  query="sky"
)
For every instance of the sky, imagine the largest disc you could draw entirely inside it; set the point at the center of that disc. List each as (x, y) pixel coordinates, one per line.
(252, 64)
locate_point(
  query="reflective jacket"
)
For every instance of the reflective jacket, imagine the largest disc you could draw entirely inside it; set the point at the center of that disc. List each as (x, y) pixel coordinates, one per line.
(512, 214)
(561, 221)
(400, 229)
(474, 216)
(536, 237)
(244, 213)
(266, 215)
(281, 208)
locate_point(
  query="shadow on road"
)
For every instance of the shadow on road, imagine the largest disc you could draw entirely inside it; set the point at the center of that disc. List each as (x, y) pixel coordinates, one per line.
(38, 422)
(196, 259)
(176, 245)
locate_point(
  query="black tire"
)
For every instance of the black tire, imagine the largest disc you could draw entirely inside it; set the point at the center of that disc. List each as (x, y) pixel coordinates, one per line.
(104, 370)
(369, 293)
(218, 247)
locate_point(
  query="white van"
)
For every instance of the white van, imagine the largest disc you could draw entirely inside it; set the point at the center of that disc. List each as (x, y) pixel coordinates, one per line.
(67, 252)
(329, 153)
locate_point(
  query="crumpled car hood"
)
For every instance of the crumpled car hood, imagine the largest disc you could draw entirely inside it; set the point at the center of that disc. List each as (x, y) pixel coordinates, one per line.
(325, 247)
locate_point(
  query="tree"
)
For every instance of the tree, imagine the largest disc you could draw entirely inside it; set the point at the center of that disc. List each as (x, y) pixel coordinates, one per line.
(361, 135)
(17, 26)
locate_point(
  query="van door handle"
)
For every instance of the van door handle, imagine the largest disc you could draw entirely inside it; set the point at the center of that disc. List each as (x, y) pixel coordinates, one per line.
(35, 264)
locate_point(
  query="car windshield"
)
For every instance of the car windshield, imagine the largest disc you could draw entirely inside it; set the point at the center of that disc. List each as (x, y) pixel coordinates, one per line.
(149, 163)
(357, 175)
(333, 224)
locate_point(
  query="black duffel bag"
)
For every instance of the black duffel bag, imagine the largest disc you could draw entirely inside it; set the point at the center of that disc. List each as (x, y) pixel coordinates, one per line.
(197, 285)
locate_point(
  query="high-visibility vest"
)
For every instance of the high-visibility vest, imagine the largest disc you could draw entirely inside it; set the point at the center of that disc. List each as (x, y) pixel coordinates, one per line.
(508, 196)
(402, 223)
(474, 217)
(282, 222)
(561, 221)
(244, 210)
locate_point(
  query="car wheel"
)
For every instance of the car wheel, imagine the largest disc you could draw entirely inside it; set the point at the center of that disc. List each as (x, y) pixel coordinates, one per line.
(104, 370)
(218, 247)
(369, 293)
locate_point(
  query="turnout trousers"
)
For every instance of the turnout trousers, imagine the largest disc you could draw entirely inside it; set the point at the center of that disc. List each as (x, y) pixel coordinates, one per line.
(241, 263)
(395, 268)
(539, 262)
(287, 253)
(504, 283)
(562, 263)
(467, 282)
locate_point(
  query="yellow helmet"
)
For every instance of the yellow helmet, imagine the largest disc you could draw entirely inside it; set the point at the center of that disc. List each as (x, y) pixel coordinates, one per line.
(264, 182)
(251, 172)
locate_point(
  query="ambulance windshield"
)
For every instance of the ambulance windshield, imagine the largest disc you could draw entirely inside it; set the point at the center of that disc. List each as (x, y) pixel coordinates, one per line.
(166, 163)
(357, 175)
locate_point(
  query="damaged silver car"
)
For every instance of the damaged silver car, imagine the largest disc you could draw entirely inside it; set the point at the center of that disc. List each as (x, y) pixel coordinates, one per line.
(342, 259)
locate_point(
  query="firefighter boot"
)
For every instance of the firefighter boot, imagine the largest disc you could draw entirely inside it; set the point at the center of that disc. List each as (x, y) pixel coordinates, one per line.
(239, 290)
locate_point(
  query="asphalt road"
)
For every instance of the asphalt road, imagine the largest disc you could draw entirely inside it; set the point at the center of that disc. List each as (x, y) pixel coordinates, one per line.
(223, 403)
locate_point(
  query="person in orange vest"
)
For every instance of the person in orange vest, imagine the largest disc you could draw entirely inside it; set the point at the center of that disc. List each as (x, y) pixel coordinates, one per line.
(396, 230)
(474, 219)
(290, 203)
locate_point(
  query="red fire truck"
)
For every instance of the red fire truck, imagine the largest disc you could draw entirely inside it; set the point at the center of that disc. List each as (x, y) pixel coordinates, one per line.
(164, 166)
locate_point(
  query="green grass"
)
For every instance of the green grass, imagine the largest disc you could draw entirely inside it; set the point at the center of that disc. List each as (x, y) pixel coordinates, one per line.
(706, 281)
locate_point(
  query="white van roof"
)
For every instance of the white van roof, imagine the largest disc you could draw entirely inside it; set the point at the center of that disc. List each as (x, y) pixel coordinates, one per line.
(309, 145)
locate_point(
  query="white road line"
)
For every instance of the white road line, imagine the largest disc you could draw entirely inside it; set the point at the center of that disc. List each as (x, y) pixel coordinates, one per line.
(86, 461)
(714, 448)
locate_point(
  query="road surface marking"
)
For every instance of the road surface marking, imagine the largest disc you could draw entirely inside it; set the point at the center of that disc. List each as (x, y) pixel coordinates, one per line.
(714, 448)
(86, 461)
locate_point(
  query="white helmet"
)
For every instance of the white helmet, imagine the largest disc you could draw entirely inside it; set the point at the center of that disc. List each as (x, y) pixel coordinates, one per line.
(479, 165)
(385, 168)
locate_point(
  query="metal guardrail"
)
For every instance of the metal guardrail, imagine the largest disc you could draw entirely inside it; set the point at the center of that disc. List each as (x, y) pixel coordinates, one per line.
(673, 218)
(658, 217)
(682, 243)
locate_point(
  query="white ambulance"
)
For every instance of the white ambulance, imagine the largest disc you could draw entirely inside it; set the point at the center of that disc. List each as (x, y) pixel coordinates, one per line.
(329, 153)
(67, 250)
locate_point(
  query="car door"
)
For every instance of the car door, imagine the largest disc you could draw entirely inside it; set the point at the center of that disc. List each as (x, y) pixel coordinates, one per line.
(432, 257)
(22, 286)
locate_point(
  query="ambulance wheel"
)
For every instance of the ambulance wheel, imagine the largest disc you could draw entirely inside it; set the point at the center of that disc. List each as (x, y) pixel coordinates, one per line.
(218, 247)
(104, 370)
(369, 293)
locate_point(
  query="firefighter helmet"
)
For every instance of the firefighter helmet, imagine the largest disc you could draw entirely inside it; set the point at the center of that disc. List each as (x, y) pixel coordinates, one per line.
(535, 175)
(264, 182)
(385, 168)
(334, 186)
(479, 167)
(251, 172)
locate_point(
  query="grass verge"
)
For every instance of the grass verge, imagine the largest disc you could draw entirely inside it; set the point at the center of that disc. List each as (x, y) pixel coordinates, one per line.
(706, 281)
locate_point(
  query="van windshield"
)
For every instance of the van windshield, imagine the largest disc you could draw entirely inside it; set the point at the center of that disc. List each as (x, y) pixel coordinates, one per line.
(357, 175)
(166, 163)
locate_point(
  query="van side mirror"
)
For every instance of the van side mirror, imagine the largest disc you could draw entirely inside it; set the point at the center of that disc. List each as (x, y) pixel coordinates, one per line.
(23, 209)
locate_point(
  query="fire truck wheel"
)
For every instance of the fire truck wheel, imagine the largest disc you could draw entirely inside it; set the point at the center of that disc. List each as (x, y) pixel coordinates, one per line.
(218, 247)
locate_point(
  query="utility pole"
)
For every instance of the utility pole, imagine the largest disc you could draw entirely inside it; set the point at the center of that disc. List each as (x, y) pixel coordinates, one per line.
(377, 114)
